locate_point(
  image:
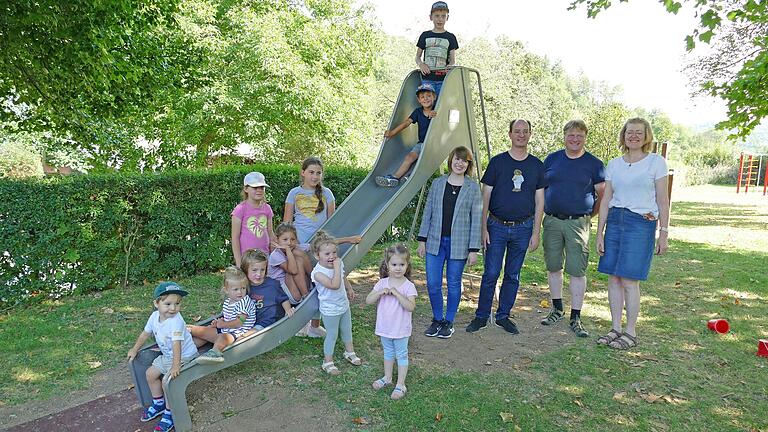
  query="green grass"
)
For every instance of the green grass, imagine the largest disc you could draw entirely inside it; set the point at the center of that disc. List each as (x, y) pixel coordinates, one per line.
(681, 377)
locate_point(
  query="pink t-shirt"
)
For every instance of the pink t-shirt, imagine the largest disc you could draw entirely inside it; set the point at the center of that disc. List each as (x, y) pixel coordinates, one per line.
(253, 226)
(392, 320)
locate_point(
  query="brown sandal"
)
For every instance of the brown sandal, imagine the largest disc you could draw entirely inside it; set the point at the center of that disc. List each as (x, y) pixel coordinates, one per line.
(625, 342)
(608, 338)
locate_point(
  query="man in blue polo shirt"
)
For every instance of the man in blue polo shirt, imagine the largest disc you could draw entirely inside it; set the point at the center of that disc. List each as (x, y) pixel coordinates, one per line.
(513, 205)
(575, 183)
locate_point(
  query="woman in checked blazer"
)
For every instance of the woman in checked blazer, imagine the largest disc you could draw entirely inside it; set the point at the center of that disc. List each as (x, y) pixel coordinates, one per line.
(449, 237)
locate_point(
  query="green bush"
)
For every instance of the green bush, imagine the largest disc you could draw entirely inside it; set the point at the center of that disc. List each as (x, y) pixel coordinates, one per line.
(94, 232)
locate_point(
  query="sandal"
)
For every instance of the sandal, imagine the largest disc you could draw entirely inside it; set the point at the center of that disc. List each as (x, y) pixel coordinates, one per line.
(381, 383)
(625, 342)
(608, 338)
(398, 393)
(353, 358)
(331, 368)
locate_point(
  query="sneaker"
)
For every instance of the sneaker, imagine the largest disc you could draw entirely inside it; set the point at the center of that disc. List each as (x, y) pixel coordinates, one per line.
(476, 324)
(304, 332)
(446, 330)
(507, 325)
(553, 316)
(433, 328)
(387, 181)
(152, 412)
(211, 356)
(578, 328)
(165, 424)
(316, 332)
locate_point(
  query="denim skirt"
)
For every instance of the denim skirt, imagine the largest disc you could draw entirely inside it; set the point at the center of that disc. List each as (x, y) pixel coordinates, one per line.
(629, 244)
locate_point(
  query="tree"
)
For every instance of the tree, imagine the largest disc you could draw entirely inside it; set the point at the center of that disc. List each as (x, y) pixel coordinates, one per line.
(85, 64)
(736, 69)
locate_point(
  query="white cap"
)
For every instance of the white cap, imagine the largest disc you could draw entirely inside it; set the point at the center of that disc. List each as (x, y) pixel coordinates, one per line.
(255, 179)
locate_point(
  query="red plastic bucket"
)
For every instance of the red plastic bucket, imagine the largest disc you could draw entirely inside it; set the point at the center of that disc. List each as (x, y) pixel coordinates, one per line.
(762, 347)
(719, 325)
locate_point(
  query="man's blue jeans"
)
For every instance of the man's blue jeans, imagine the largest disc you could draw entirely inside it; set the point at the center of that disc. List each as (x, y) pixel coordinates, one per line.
(454, 268)
(514, 241)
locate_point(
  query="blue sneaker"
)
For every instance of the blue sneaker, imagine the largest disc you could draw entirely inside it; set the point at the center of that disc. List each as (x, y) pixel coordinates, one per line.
(152, 412)
(166, 423)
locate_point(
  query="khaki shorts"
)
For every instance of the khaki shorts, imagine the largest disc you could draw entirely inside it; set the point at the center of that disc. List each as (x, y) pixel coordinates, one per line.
(163, 363)
(566, 240)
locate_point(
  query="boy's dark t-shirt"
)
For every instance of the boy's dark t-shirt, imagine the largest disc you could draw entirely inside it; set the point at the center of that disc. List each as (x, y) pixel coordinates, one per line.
(268, 297)
(514, 183)
(436, 47)
(418, 117)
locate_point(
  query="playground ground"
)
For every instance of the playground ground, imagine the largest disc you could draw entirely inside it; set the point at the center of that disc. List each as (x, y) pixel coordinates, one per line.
(681, 377)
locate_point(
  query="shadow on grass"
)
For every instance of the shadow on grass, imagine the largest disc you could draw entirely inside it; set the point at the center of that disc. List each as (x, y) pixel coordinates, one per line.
(693, 214)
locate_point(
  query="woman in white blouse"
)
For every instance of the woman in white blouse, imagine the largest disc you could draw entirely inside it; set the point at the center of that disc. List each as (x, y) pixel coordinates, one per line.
(634, 203)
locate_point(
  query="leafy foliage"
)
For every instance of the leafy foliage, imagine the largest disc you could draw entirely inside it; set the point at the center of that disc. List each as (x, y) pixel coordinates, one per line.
(94, 232)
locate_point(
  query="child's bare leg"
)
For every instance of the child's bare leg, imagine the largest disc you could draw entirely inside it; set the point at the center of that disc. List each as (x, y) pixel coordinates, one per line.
(303, 262)
(290, 283)
(388, 367)
(224, 340)
(402, 371)
(410, 158)
(203, 334)
(153, 375)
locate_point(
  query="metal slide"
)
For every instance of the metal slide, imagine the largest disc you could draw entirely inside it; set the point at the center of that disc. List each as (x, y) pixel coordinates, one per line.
(368, 211)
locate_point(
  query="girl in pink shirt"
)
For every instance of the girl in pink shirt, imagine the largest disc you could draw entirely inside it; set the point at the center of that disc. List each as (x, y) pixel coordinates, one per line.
(252, 218)
(396, 298)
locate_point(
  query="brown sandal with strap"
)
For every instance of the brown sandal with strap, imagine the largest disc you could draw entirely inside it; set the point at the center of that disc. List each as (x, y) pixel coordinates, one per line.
(625, 342)
(608, 338)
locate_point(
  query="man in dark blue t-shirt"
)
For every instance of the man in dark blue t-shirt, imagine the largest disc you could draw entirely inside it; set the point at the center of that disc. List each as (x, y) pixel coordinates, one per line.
(575, 182)
(513, 205)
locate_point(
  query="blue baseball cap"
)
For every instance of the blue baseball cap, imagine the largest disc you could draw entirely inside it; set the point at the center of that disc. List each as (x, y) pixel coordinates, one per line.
(440, 5)
(169, 288)
(425, 87)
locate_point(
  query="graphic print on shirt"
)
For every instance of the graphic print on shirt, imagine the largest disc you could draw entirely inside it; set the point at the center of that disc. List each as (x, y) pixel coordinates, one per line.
(306, 205)
(436, 53)
(518, 180)
(258, 300)
(257, 225)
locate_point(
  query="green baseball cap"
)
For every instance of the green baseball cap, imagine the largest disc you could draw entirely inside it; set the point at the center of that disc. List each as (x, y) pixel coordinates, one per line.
(169, 288)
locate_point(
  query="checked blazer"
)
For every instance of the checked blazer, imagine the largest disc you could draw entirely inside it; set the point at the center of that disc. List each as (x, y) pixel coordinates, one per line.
(465, 229)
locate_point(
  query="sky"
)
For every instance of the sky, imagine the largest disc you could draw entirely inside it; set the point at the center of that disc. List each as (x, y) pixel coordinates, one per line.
(637, 45)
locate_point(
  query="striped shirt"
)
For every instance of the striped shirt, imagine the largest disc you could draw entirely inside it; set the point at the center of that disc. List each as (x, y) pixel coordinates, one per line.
(231, 310)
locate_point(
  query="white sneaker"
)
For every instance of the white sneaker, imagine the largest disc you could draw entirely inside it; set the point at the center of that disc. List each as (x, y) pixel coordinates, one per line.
(316, 332)
(303, 331)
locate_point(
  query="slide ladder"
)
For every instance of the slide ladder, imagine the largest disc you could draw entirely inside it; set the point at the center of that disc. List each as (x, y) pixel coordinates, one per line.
(368, 211)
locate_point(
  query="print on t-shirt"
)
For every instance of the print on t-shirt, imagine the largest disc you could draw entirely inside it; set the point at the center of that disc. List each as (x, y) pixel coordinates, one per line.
(306, 205)
(257, 225)
(518, 180)
(436, 53)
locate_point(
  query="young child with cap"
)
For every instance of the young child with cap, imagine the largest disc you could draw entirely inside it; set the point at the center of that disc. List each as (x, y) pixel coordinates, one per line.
(252, 218)
(436, 48)
(176, 346)
(422, 116)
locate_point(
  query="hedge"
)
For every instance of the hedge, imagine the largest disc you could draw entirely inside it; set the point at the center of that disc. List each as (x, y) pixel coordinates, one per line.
(95, 232)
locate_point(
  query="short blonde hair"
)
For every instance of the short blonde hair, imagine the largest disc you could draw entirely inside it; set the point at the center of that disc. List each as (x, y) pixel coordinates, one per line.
(321, 239)
(234, 276)
(251, 257)
(647, 144)
(576, 124)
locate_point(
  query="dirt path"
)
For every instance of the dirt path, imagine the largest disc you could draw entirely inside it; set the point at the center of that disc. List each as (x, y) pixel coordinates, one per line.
(217, 402)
